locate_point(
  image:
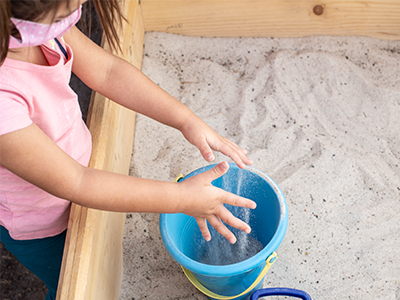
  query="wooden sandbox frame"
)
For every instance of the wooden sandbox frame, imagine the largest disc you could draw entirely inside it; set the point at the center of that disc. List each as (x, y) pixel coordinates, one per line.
(92, 264)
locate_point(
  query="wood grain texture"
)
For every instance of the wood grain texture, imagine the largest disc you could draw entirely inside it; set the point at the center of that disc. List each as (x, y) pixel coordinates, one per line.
(92, 263)
(273, 18)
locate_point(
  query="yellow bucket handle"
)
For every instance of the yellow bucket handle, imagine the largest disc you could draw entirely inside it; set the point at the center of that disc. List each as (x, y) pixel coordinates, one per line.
(270, 260)
(180, 176)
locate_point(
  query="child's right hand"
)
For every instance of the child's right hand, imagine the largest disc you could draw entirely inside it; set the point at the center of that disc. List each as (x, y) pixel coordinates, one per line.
(205, 202)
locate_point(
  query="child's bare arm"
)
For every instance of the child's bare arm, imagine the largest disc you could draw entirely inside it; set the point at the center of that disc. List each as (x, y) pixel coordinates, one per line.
(33, 156)
(123, 83)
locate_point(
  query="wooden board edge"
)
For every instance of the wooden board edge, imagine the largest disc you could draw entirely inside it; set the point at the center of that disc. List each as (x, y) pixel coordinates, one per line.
(273, 18)
(112, 128)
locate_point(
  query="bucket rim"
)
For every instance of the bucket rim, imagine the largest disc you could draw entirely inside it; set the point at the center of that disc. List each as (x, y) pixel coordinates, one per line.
(236, 268)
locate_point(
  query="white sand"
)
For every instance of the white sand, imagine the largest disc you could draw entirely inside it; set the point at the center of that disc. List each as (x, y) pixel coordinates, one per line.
(320, 116)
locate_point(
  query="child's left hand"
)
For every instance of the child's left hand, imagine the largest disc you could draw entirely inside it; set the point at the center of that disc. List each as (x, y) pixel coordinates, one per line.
(206, 139)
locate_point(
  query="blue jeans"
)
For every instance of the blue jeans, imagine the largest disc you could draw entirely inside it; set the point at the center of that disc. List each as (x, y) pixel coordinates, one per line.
(42, 257)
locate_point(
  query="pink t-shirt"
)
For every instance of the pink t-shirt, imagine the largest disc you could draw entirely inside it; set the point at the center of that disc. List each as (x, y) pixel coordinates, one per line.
(37, 94)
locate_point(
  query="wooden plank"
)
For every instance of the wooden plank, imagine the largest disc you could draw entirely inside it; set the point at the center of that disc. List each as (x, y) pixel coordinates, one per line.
(273, 18)
(92, 262)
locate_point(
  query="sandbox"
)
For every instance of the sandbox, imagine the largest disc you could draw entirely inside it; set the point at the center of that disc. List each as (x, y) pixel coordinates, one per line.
(92, 266)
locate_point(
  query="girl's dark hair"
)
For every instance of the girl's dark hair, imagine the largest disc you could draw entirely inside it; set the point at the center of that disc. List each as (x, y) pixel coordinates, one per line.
(109, 12)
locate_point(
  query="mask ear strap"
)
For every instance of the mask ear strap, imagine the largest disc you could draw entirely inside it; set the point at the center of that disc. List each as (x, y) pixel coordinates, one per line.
(14, 33)
(15, 41)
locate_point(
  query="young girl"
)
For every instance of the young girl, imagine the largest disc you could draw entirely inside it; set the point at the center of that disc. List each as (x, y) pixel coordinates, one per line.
(45, 146)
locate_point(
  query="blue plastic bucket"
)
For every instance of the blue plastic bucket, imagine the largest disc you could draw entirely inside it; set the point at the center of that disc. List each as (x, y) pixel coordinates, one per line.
(183, 240)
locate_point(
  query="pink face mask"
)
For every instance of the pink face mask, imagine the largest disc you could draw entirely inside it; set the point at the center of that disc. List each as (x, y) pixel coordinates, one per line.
(35, 34)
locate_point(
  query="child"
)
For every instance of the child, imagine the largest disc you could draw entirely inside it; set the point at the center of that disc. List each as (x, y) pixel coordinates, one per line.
(45, 146)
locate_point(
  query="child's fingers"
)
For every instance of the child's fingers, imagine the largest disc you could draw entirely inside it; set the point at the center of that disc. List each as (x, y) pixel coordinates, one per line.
(237, 154)
(221, 214)
(202, 223)
(240, 160)
(221, 228)
(206, 151)
(226, 147)
(232, 221)
(216, 172)
(236, 200)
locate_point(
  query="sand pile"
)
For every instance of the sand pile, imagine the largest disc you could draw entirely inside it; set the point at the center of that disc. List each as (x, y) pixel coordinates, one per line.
(320, 116)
